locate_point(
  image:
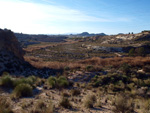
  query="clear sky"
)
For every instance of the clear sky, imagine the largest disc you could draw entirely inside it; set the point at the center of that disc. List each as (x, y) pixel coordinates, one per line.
(75, 16)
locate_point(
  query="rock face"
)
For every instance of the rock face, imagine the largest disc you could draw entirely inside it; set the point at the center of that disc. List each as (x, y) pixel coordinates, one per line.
(11, 58)
(9, 43)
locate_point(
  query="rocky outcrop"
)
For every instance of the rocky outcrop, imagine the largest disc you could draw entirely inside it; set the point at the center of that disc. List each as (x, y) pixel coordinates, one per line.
(9, 43)
(11, 58)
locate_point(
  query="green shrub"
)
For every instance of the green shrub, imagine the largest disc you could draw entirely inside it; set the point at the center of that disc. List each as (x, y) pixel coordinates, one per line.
(17, 82)
(27, 81)
(33, 78)
(7, 81)
(30, 80)
(22, 90)
(65, 103)
(62, 82)
(52, 81)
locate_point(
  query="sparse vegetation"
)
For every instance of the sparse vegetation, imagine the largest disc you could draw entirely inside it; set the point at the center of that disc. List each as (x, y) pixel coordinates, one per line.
(84, 73)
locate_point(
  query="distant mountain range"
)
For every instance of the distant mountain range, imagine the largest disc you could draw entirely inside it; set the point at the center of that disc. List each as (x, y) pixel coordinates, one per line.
(86, 34)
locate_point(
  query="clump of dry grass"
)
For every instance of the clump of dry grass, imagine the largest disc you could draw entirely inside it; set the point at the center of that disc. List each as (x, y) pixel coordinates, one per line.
(5, 105)
(146, 106)
(75, 92)
(42, 107)
(99, 103)
(122, 104)
(65, 103)
(65, 94)
(89, 101)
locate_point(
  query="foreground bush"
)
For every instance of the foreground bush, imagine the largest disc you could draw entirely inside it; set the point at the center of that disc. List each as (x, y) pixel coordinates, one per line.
(62, 82)
(22, 90)
(6, 81)
(52, 81)
(32, 78)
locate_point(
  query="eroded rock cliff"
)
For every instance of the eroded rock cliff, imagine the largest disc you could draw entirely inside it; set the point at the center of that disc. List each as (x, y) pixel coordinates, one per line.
(11, 58)
(9, 43)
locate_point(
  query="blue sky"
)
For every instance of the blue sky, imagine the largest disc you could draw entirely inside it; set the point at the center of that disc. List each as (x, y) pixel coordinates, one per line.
(75, 16)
